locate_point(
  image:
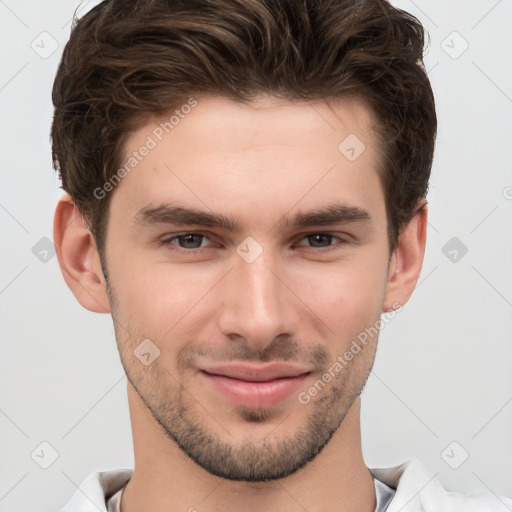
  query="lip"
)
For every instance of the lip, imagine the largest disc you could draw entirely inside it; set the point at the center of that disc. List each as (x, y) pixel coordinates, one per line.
(256, 373)
(255, 387)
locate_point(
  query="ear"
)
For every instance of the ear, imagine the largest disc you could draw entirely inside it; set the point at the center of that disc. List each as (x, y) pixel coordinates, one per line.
(78, 257)
(407, 260)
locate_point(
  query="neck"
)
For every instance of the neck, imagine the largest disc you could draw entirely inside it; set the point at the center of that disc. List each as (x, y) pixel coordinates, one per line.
(165, 479)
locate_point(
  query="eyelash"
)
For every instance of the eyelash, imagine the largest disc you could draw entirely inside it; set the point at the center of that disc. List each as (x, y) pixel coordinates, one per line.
(167, 242)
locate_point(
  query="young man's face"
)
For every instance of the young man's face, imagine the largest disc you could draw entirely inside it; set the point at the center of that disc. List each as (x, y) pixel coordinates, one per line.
(268, 292)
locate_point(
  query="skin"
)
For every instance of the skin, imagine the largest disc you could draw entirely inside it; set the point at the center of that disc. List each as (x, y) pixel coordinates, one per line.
(256, 163)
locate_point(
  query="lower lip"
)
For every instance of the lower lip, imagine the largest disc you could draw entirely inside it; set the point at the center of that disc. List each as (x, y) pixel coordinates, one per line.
(256, 395)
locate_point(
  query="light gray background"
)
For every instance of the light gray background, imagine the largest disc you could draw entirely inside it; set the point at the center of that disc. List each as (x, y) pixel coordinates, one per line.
(443, 369)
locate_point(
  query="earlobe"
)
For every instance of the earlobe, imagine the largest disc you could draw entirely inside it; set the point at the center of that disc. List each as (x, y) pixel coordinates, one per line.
(78, 257)
(407, 260)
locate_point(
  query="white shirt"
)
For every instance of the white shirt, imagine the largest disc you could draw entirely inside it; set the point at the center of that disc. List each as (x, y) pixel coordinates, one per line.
(408, 487)
(382, 491)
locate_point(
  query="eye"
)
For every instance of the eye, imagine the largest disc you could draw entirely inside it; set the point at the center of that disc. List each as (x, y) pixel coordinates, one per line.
(323, 238)
(188, 242)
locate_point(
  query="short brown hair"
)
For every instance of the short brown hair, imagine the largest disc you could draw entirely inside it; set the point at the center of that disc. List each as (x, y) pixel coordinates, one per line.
(127, 59)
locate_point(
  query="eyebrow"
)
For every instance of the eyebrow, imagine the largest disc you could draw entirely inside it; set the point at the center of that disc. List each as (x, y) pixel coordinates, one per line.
(336, 213)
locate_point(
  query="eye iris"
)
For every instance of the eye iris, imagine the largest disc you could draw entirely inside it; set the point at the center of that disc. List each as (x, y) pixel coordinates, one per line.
(321, 235)
(188, 237)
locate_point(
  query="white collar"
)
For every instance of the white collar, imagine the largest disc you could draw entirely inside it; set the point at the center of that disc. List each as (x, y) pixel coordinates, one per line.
(417, 490)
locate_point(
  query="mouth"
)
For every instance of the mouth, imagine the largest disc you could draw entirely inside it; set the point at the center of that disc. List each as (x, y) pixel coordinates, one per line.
(255, 387)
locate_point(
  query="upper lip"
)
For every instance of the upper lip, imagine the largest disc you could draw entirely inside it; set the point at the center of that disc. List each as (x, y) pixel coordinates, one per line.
(256, 373)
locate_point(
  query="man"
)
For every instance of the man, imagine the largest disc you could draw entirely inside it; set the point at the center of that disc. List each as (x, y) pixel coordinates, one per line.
(246, 194)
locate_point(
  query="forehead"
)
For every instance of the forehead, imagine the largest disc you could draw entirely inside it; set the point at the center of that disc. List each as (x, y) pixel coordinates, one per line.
(228, 125)
(224, 155)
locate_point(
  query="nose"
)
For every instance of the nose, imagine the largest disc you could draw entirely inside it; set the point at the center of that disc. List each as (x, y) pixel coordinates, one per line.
(257, 304)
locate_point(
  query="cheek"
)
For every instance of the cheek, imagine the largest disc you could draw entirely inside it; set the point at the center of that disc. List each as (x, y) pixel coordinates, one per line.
(154, 297)
(352, 286)
(347, 297)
